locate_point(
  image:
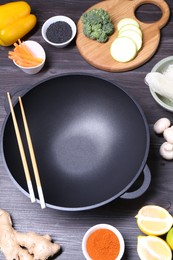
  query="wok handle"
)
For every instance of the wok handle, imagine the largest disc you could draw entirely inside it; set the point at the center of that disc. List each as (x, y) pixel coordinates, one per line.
(137, 193)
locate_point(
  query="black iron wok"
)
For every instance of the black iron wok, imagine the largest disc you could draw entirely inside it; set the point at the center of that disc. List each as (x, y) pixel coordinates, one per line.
(91, 142)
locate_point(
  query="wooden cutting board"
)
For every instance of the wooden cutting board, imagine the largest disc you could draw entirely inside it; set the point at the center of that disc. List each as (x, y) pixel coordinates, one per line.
(98, 54)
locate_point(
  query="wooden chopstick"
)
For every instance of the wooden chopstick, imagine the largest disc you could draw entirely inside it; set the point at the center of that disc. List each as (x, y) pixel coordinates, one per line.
(32, 155)
(22, 152)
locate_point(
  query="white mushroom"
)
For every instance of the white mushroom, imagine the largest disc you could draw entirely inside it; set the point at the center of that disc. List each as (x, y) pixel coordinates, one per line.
(166, 151)
(161, 125)
(168, 134)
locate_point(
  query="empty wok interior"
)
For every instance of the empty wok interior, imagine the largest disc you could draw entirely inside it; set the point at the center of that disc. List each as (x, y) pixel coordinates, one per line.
(90, 140)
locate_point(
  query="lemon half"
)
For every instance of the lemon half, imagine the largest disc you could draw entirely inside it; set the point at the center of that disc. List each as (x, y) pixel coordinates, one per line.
(153, 248)
(154, 220)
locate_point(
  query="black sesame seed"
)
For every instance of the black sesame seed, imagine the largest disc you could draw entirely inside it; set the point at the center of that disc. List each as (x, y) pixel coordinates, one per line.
(59, 32)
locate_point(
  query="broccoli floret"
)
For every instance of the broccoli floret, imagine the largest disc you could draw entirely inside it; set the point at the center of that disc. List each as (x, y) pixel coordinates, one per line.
(95, 35)
(103, 37)
(92, 17)
(97, 25)
(108, 28)
(87, 29)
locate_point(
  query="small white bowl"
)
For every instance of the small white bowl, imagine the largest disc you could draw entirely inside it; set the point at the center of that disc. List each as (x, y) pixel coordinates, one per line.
(54, 19)
(103, 226)
(161, 67)
(39, 52)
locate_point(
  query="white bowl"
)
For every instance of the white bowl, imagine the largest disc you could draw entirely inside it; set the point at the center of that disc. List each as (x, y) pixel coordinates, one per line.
(161, 67)
(39, 52)
(103, 226)
(54, 19)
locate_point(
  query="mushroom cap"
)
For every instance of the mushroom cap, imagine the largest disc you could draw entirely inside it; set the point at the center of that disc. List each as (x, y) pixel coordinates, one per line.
(166, 151)
(161, 124)
(168, 134)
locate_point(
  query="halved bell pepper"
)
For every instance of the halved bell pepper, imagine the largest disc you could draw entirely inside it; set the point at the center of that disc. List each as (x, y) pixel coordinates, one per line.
(15, 22)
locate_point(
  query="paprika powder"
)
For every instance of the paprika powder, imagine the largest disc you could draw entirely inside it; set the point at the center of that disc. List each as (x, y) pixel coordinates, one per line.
(103, 244)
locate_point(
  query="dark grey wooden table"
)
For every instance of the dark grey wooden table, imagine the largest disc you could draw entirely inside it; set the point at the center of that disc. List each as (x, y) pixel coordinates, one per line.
(68, 228)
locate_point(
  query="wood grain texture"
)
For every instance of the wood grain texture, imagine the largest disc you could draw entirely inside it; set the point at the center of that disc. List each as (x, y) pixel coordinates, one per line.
(68, 228)
(98, 54)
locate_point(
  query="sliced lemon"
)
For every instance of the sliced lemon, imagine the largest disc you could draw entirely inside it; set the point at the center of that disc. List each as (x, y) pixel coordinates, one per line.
(169, 238)
(154, 220)
(153, 248)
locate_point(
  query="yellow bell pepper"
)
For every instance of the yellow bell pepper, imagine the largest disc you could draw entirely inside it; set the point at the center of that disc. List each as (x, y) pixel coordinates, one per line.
(15, 22)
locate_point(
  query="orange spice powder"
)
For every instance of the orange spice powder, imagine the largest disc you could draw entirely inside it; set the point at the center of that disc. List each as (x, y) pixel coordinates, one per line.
(103, 244)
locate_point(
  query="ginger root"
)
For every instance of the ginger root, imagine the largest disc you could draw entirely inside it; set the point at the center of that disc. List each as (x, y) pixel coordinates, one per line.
(23, 246)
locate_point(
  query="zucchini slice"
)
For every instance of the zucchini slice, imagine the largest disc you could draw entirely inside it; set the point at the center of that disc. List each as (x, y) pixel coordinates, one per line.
(123, 49)
(126, 21)
(136, 37)
(130, 27)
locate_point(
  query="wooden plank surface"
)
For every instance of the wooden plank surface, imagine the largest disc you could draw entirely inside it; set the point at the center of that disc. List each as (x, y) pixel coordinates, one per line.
(68, 228)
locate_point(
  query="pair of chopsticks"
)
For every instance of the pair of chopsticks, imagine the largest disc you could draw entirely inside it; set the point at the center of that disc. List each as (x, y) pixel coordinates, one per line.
(23, 156)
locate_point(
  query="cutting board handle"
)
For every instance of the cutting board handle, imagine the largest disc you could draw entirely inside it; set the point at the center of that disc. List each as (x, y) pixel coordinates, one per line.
(163, 7)
(160, 3)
